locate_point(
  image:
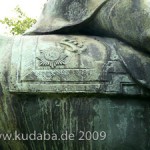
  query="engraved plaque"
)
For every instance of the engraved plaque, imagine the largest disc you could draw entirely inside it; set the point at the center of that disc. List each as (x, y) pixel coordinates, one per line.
(56, 64)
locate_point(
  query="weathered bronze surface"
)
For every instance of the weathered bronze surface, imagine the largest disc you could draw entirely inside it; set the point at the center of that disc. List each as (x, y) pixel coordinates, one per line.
(59, 14)
(62, 64)
(125, 19)
(71, 83)
(100, 86)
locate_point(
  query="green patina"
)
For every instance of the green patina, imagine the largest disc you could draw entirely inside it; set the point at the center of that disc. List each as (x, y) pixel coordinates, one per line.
(78, 83)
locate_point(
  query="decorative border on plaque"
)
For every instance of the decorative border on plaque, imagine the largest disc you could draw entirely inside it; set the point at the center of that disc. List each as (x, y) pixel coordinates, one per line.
(52, 66)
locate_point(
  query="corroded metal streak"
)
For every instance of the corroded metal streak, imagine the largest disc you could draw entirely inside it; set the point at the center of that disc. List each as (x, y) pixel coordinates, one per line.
(125, 120)
(7, 115)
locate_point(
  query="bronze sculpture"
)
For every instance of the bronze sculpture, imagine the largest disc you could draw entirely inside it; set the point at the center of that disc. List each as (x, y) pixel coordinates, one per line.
(59, 79)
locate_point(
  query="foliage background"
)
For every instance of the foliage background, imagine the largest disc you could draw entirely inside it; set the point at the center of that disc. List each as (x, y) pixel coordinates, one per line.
(20, 23)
